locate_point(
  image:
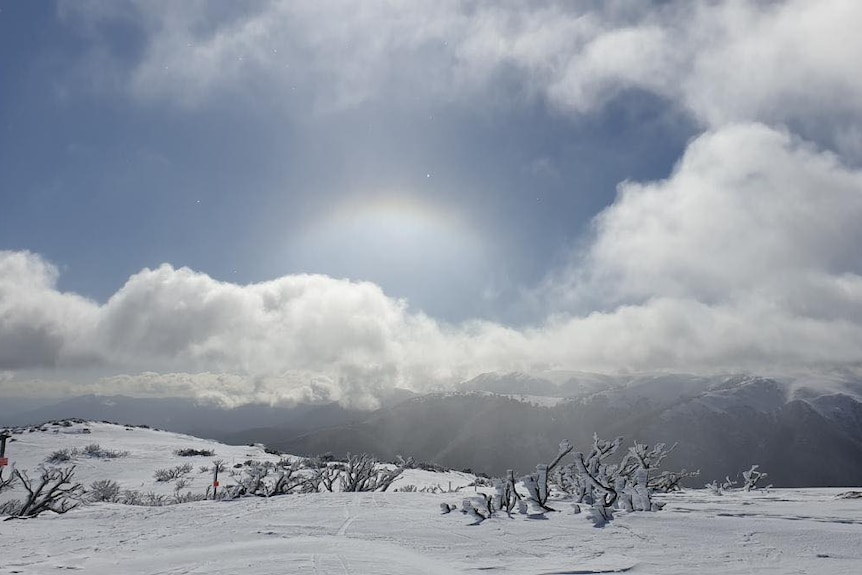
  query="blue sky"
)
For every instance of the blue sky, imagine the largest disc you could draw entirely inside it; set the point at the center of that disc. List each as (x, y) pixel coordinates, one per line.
(221, 186)
(598, 186)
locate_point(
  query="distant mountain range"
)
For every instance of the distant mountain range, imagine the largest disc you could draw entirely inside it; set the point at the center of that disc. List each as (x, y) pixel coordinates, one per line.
(184, 415)
(803, 432)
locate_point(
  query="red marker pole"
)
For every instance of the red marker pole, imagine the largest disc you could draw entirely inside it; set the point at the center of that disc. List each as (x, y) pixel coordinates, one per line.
(3, 461)
(215, 480)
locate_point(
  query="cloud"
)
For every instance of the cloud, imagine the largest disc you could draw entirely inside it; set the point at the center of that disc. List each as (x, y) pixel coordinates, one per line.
(744, 258)
(789, 62)
(747, 209)
(38, 324)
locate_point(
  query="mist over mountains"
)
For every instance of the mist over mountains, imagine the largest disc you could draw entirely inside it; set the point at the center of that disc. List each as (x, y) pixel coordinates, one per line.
(803, 432)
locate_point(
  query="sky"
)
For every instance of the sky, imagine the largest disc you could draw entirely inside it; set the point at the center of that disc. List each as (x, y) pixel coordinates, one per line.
(287, 200)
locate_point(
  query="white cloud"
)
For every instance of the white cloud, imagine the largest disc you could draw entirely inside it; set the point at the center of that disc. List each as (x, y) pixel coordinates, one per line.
(747, 208)
(745, 258)
(791, 62)
(38, 324)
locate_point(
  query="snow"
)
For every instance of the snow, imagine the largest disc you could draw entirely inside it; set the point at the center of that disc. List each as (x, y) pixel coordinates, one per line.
(780, 531)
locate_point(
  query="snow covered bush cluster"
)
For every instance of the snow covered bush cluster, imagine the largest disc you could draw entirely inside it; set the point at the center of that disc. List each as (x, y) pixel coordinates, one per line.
(589, 479)
(358, 473)
(750, 482)
(172, 473)
(93, 450)
(192, 452)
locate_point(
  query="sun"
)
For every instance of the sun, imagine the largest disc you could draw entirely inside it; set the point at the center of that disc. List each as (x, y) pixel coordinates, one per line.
(407, 245)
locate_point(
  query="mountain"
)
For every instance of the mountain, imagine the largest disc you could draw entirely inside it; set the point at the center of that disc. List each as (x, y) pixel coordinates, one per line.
(802, 435)
(251, 423)
(804, 431)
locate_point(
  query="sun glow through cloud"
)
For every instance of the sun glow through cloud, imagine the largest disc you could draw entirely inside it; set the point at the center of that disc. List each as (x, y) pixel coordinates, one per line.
(397, 241)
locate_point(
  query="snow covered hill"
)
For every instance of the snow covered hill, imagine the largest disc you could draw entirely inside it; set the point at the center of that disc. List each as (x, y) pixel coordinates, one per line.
(401, 532)
(131, 456)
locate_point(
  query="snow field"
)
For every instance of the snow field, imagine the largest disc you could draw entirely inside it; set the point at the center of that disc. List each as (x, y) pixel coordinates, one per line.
(781, 531)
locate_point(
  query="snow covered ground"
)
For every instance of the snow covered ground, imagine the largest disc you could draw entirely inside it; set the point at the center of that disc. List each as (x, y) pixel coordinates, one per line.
(781, 531)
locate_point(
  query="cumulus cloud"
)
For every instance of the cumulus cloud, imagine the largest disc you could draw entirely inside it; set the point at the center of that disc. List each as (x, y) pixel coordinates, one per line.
(747, 209)
(303, 337)
(745, 257)
(38, 323)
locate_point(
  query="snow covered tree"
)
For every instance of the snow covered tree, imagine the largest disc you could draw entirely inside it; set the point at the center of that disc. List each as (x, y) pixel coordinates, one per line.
(270, 480)
(506, 496)
(325, 477)
(364, 473)
(668, 481)
(6, 482)
(536, 483)
(54, 491)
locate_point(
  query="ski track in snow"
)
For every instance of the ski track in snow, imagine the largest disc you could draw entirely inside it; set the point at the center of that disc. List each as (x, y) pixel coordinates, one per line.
(778, 532)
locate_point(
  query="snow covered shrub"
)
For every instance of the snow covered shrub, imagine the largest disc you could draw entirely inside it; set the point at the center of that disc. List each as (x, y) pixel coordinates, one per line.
(849, 495)
(467, 508)
(192, 452)
(715, 488)
(600, 515)
(752, 477)
(104, 490)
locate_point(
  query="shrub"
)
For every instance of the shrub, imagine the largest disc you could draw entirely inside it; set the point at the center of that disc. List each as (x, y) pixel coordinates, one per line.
(59, 456)
(94, 450)
(172, 473)
(187, 497)
(192, 452)
(104, 490)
